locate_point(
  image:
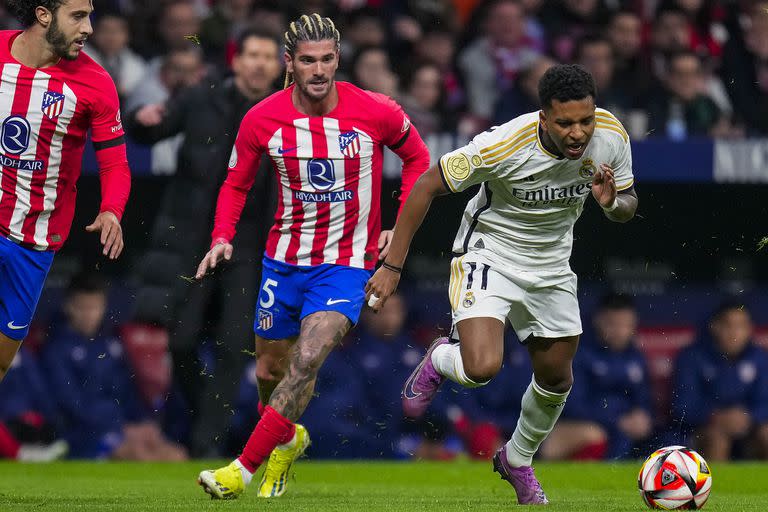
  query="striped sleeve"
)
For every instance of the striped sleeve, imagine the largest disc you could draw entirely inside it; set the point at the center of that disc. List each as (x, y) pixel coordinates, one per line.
(622, 162)
(492, 154)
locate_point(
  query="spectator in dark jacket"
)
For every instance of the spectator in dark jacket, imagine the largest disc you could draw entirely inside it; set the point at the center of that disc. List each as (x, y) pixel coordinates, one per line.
(220, 309)
(631, 71)
(596, 55)
(101, 413)
(721, 389)
(609, 410)
(681, 108)
(745, 72)
(28, 414)
(523, 97)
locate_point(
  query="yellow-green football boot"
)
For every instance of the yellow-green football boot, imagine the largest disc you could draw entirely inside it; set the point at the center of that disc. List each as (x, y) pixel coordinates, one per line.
(222, 484)
(275, 479)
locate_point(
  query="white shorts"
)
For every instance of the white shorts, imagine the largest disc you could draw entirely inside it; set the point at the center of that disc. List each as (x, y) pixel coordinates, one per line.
(541, 303)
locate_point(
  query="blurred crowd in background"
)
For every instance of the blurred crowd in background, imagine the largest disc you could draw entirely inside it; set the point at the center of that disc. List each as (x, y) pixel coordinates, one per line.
(666, 68)
(176, 377)
(106, 391)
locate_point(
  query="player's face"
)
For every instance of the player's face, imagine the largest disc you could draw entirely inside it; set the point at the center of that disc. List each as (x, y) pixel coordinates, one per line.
(257, 66)
(570, 125)
(70, 26)
(314, 66)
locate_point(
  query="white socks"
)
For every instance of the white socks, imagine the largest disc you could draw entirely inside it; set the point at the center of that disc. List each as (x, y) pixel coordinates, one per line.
(247, 475)
(447, 361)
(540, 410)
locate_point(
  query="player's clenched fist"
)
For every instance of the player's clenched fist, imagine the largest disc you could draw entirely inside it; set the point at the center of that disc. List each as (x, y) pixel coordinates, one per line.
(380, 287)
(222, 250)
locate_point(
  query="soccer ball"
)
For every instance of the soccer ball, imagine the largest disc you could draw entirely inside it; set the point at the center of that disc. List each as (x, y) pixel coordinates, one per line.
(675, 477)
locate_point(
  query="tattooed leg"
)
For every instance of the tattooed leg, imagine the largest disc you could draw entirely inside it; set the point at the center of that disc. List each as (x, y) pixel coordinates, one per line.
(272, 359)
(320, 333)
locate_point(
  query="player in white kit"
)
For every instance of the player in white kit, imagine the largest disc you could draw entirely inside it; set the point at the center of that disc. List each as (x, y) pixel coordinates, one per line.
(512, 251)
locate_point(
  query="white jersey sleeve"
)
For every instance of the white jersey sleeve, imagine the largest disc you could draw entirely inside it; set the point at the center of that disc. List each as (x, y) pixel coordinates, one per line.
(491, 155)
(622, 162)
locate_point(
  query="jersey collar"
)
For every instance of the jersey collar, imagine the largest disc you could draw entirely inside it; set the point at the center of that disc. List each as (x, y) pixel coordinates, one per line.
(541, 145)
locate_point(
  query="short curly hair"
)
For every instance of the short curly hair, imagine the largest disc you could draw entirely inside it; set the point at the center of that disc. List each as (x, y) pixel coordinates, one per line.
(24, 10)
(565, 82)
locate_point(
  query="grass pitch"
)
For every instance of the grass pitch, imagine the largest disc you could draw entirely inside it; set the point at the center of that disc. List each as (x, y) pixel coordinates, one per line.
(354, 486)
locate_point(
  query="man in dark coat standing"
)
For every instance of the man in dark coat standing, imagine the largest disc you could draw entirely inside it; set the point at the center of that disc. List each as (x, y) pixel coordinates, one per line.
(219, 310)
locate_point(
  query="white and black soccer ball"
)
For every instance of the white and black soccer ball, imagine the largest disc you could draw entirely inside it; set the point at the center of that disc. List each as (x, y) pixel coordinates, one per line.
(675, 477)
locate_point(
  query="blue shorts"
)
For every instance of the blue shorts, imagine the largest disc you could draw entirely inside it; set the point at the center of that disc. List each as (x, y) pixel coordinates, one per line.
(22, 275)
(289, 293)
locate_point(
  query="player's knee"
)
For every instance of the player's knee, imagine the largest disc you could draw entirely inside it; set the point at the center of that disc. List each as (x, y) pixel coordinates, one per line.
(268, 369)
(555, 381)
(482, 370)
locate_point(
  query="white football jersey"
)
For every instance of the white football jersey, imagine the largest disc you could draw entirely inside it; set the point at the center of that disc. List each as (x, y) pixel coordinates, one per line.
(530, 199)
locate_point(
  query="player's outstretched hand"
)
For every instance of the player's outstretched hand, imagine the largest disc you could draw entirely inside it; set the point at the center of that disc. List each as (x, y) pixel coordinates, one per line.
(604, 186)
(380, 287)
(222, 250)
(107, 224)
(385, 239)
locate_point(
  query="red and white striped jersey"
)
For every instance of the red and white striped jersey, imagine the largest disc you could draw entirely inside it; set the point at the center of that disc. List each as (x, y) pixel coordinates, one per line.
(44, 118)
(329, 170)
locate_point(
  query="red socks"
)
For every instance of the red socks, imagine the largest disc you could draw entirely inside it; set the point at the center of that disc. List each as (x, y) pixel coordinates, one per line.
(9, 446)
(273, 429)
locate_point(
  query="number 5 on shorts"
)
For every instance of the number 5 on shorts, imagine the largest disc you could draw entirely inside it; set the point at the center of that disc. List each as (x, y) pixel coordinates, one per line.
(269, 300)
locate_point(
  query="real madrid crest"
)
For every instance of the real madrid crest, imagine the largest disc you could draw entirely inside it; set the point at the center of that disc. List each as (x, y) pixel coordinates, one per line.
(587, 169)
(469, 299)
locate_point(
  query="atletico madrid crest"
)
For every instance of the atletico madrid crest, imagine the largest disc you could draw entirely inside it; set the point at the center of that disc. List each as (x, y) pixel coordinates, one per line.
(53, 104)
(349, 144)
(265, 319)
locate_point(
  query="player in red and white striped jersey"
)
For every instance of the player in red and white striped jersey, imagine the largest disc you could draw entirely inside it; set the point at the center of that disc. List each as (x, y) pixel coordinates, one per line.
(325, 140)
(51, 94)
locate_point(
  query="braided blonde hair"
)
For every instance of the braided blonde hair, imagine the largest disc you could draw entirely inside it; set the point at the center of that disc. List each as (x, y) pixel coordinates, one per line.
(311, 27)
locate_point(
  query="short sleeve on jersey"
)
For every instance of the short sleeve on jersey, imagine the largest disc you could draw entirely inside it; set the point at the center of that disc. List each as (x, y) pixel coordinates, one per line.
(622, 168)
(622, 164)
(492, 154)
(106, 123)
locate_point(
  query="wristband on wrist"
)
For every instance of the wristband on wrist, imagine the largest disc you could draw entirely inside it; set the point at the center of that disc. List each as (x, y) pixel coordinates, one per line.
(608, 209)
(392, 268)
